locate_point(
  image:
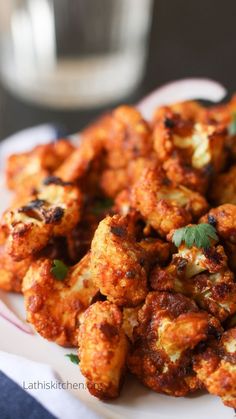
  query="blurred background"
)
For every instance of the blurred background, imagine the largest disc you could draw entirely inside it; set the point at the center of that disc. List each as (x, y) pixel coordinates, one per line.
(134, 46)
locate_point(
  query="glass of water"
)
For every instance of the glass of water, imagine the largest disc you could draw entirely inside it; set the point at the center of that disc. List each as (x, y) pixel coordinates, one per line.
(73, 53)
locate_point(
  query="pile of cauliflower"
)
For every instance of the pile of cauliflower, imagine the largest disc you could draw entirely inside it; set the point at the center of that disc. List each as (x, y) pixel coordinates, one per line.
(89, 242)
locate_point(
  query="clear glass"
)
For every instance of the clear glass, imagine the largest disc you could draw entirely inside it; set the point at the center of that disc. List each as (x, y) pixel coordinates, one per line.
(73, 53)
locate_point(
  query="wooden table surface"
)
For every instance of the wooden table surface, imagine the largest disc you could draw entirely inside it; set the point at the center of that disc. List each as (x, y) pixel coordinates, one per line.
(188, 39)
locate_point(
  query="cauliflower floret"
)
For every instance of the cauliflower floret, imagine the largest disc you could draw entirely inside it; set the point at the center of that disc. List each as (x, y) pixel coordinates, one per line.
(12, 272)
(189, 110)
(129, 137)
(199, 145)
(156, 249)
(223, 218)
(181, 173)
(90, 149)
(216, 368)
(122, 203)
(114, 181)
(103, 349)
(170, 326)
(118, 263)
(54, 306)
(25, 171)
(130, 320)
(223, 188)
(202, 275)
(164, 205)
(53, 211)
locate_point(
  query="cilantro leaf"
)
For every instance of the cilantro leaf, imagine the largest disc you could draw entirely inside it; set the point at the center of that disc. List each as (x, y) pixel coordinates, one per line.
(102, 206)
(197, 235)
(59, 270)
(73, 358)
(232, 125)
(178, 236)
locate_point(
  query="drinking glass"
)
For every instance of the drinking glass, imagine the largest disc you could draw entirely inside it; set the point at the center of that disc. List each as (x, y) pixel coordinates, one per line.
(73, 53)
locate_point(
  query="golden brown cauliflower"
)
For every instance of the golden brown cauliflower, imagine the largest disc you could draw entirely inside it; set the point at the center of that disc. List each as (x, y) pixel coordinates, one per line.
(189, 110)
(114, 181)
(181, 173)
(53, 211)
(25, 171)
(129, 137)
(111, 154)
(199, 145)
(170, 326)
(157, 250)
(216, 368)
(164, 205)
(103, 349)
(223, 218)
(223, 188)
(202, 275)
(11, 271)
(119, 264)
(54, 306)
(130, 320)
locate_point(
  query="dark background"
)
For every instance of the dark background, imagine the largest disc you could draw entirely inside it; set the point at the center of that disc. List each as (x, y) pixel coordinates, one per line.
(188, 38)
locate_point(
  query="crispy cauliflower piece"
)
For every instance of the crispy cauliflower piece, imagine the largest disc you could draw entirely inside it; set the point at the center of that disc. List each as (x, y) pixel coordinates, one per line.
(216, 368)
(11, 271)
(130, 320)
(107, 148)
(181, 173)
(224, 115)
(25, 171)
(122, 203)
(189, 110)
(157, 250)
(114, 181)
(230, 250)
(223, 188)
(53, 211)
(54, 306)
(199, 145)
(223, 218)
(90, 149)
(164, 205)
(129, 137)
(103, 348)
(202, 275)
(170, 326)
(119, 264)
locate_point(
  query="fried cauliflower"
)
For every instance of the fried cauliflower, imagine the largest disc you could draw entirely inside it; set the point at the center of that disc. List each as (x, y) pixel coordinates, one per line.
(223, 189)
(169, 328)
(103, 348)
(119, 264)
(216, 368)
(201, 274)
(11, 271)
(223, 218)
(25, 171)
(53, 211)
(164, 205)
(54, 306)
